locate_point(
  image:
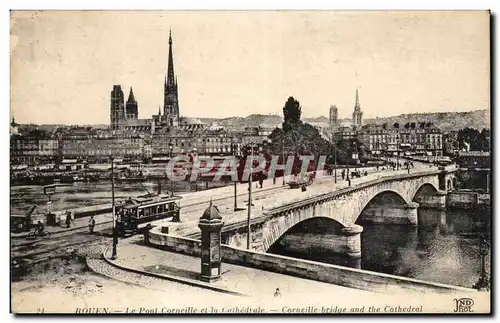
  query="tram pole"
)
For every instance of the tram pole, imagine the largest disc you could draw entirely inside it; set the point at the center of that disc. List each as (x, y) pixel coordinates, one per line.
(233, 151)
(249, 196)
(171, 175)
(334, 158)
(283, 157)
(115, 235)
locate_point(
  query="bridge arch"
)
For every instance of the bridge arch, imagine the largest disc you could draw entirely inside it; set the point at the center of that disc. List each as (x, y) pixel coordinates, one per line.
(275, 228)
(377, 198)
(380, 206)
(425, 189)
(429, 196)
(312, 226)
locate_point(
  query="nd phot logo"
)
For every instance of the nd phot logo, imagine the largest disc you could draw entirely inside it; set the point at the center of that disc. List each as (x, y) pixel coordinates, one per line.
(463, 305)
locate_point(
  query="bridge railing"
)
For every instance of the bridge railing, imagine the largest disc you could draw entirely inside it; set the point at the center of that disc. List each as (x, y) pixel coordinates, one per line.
(345, 190)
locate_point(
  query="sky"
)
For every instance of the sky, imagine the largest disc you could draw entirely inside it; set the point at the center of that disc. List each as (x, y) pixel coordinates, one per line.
(236, 63)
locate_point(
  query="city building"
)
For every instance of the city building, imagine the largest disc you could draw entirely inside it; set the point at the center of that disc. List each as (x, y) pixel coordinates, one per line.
(24, 150)
(255, 135)
(412, 138)
(345, 132)
(474, 159)
(374, 137)
(434, 142)
(96, 146)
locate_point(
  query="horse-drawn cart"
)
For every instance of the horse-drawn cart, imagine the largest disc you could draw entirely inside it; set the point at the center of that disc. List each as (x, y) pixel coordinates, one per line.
(301, 181)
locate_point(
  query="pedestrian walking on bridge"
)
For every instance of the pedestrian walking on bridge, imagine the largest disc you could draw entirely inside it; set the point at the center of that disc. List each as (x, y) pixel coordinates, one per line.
(91, 224)
(68, 219)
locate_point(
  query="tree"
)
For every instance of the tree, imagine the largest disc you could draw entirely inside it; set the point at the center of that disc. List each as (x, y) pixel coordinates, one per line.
(291, 113)
(485, 139)
(474, 138)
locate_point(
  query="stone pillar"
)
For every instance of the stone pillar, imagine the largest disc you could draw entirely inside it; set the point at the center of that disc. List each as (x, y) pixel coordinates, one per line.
(441, 200)
(352, 241)
(434, 201)
(210, 224)
(442, 180)
(411, 212)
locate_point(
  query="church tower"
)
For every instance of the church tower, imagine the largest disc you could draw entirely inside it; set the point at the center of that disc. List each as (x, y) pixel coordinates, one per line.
(171, 98)
(357, 115)
(117, 108)
(131, 108)
(334, 117)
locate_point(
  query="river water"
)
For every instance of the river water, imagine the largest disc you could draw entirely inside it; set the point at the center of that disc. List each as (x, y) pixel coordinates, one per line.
(444, 248)
(80, 194)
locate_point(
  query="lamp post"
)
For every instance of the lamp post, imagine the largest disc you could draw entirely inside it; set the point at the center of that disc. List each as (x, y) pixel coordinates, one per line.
(249, 195)
(195, 150)
(483, 282)
(283, 157)
(356, 154)
(334, 158)
(397, 151)
(347, 165)
(233, 152)
(113, 209)
(171, 147)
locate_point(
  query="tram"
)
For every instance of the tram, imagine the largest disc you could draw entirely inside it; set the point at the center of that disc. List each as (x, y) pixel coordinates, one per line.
(135, 213)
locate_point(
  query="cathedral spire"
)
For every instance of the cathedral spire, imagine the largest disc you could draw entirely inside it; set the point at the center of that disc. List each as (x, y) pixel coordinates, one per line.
(356, 105)
(131, 95)
(171, 100)
(357, 115)
(170, 70)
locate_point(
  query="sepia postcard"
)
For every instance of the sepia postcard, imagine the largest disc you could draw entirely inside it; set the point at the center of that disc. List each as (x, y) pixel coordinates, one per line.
(250, 162)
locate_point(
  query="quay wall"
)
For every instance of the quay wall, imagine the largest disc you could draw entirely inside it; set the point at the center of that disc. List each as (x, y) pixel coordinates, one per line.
(467, 200)
(343, 276)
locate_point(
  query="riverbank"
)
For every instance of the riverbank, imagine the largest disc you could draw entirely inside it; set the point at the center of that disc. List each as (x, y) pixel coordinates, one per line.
(468, 200)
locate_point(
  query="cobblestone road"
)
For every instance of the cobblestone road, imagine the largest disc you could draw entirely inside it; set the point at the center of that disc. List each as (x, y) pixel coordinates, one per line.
(98, 265)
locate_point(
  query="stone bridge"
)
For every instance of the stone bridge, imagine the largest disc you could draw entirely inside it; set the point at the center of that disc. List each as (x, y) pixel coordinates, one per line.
(393, 199)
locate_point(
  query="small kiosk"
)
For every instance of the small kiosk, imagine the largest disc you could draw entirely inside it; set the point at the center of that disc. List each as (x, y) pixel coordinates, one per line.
(210, 224)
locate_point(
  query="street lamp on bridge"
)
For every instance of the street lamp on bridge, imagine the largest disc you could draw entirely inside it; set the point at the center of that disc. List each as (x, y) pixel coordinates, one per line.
(113, 209)
(250, 172)
(283, 157)
(483, 283)
(334, 158)
(171, 147)
(397, 150)
(233, 152)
